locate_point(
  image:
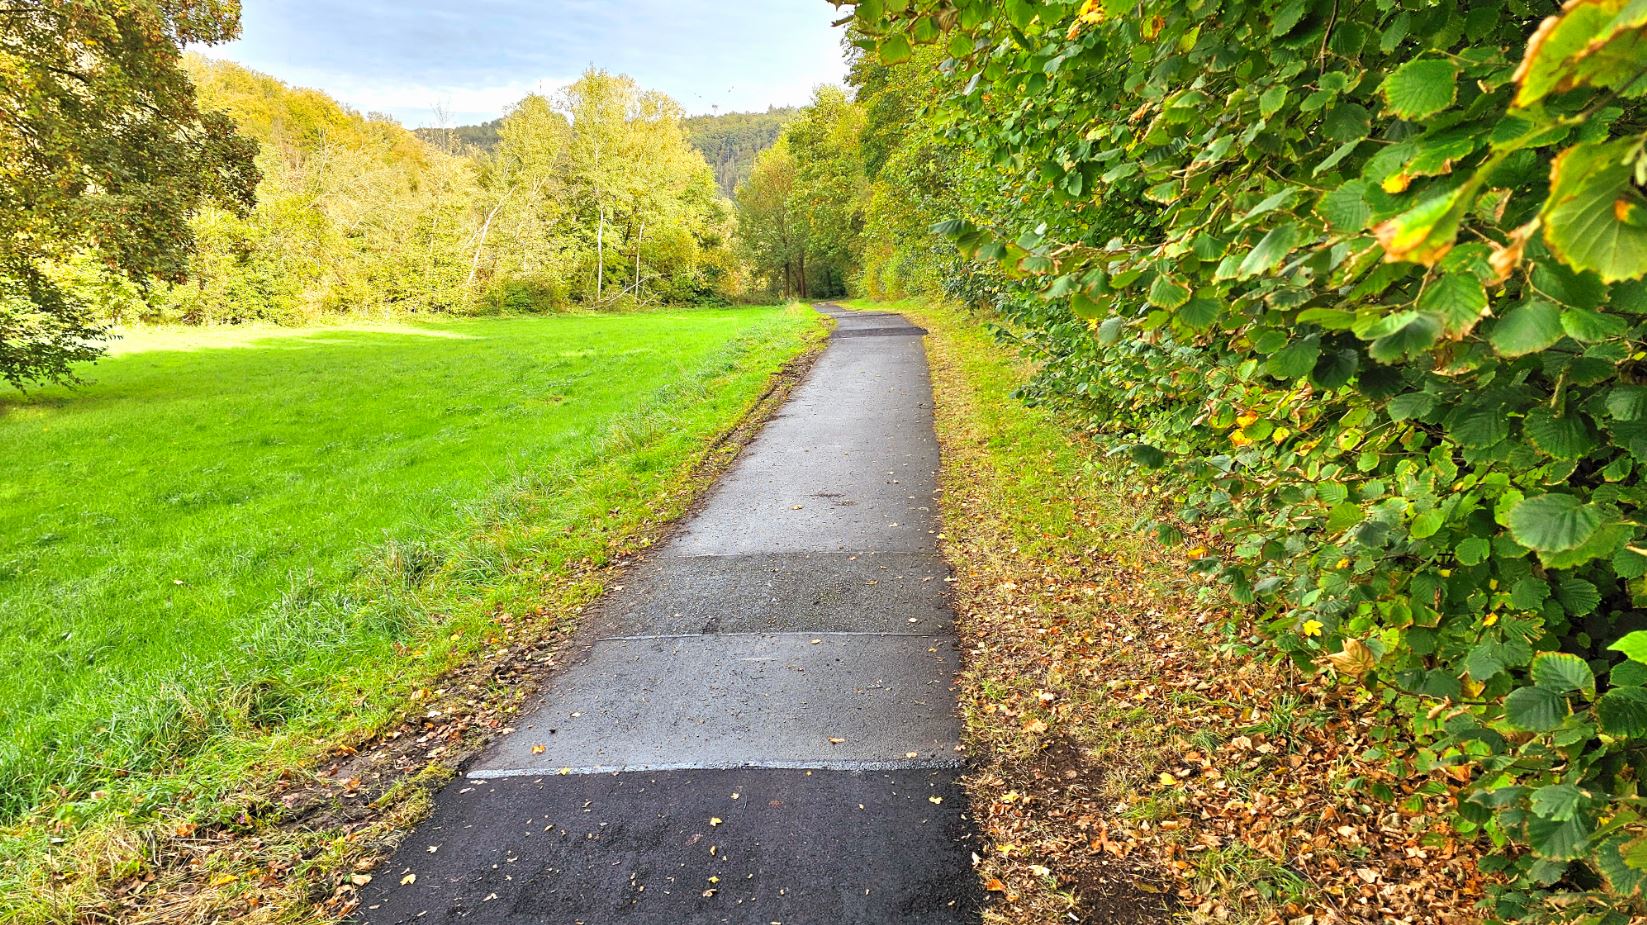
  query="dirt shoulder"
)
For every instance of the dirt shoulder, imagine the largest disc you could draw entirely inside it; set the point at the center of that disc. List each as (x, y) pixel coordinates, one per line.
(1136, 754)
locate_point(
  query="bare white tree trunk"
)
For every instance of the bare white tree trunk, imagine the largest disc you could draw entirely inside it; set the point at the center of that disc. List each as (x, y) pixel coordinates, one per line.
(600, 255)
(639, 236)
(480, 245)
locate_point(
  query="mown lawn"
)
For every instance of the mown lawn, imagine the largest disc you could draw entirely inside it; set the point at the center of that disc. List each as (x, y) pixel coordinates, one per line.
(231, 538)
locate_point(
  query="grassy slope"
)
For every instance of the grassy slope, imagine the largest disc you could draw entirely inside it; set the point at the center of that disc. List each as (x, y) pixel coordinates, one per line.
(214, 562)
(1132, 759)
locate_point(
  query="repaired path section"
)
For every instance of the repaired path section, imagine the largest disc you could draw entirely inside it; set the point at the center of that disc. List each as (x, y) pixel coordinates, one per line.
(764, 729)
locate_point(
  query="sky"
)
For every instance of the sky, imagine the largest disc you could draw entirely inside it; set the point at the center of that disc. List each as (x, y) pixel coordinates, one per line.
(457, 62)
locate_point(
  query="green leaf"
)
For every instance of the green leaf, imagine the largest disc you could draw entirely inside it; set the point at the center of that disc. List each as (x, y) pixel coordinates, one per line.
(1627, 402)
(1563, 436)
(1562, 672)
(1562, 841)
(1627, 674)
(895, 49)
(1416, 336)
(1589, 327)
(1269, 102)
(1578, 596)
(1596, 218)
(1333, 319)
(1294, 361)
(1609, 858)
(1603, 545)
(1633, 645)
(1528, 328)
(1109, 330)
(1197, 314)
(1553, 523)
(1268, 253)
(1479, 428)
(1166, 292)
(1335, 368)
(1426, 524)
(1558, 802)
(1472, 551)
(1421, 87)
(1458, 298)
(1529, 593)
(1622, 712)
(1535, 709)
(1084, 307)
(1343, 515)
(1345, 208)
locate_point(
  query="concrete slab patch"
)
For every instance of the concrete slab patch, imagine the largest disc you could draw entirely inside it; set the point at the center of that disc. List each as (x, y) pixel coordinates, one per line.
(908, 331)
(781, 700)
(850, 466)
(795, 592)
(746, 846)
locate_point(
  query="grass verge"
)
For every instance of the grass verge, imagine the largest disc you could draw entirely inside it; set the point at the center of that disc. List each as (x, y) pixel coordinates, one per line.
(475, 483)
(1136, 756)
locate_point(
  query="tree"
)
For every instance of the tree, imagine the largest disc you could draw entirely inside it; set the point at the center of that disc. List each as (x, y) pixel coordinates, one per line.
(801, 211)
(766, 235)
(631, 165)
(829, 189)
(104, 155)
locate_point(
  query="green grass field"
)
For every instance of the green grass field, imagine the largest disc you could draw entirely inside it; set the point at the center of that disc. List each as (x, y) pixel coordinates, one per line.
(236, 536)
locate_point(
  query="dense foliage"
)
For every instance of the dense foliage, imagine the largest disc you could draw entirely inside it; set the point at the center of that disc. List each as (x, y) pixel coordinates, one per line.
(800, 212)
(104, 158)
(1363, 280)
(356, 214)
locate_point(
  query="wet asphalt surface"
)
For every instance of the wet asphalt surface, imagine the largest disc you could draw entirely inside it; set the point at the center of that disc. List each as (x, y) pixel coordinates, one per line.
(764, 729)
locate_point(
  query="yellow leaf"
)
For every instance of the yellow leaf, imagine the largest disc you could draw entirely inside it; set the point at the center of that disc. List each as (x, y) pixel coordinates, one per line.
(714, 820)
(1355, 659)
(408, 880)
(537, 749)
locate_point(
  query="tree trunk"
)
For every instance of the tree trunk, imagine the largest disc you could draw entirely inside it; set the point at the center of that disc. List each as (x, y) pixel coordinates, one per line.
(639, 237)
(600, 255)
(803, 275)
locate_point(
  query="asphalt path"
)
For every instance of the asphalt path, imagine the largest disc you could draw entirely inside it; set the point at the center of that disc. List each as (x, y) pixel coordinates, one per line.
(763, 728)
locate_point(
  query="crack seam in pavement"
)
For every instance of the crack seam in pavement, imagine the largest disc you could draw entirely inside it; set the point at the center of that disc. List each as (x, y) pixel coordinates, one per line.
(845, 764)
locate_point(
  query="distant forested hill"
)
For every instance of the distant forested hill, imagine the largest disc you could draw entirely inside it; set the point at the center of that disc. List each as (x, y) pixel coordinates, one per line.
(483, 136)
(730, 142)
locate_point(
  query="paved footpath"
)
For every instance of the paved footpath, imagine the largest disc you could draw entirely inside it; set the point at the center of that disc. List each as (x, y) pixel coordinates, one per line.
(764, 730)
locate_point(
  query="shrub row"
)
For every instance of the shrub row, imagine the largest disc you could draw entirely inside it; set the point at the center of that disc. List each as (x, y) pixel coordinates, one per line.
(1361, 278)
